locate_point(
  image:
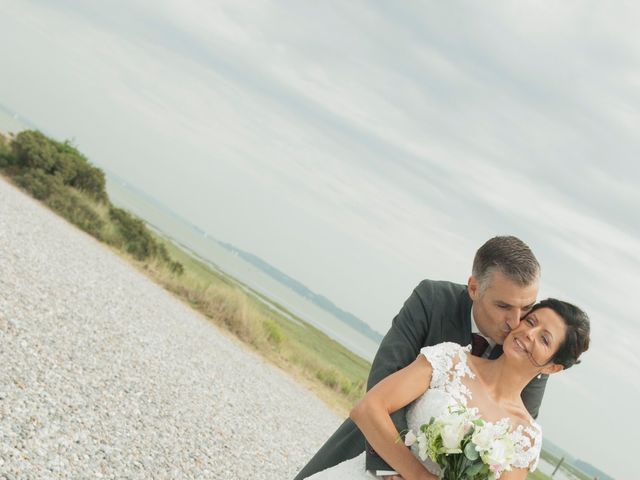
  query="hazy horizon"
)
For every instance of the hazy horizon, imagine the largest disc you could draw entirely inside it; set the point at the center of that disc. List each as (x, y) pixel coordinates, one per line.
(362, 147)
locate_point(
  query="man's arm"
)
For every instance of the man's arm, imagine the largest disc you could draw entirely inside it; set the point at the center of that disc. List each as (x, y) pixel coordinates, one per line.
(400, 346)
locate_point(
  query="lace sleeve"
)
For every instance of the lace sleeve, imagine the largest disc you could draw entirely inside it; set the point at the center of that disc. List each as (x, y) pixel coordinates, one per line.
(528, 443)
(440, 357)
(448, 361)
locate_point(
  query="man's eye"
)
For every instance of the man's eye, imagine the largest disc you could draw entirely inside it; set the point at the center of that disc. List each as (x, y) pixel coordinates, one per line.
(545, 341)
(530, 321)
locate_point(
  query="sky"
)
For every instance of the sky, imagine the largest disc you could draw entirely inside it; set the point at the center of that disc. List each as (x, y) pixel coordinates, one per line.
(360, 147)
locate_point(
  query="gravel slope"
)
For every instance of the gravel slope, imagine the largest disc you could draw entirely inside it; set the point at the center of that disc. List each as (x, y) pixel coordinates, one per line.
(105, 375)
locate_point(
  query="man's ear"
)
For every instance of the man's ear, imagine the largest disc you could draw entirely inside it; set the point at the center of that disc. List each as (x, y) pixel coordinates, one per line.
(552, 368)
(472, 288)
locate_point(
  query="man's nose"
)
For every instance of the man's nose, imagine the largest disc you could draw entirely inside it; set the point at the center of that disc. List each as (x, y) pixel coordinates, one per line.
(514, 319)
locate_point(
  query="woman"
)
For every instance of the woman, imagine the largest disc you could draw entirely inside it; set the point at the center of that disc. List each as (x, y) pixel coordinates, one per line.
(551, 338)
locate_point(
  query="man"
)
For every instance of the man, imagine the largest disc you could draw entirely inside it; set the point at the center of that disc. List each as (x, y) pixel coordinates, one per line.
(501, 290)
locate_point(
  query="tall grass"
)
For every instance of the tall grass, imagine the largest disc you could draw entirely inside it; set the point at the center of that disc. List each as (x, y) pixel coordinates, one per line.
(277, 338)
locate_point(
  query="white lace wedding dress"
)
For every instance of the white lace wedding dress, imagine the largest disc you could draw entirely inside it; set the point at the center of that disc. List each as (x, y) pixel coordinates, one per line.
(449, 363)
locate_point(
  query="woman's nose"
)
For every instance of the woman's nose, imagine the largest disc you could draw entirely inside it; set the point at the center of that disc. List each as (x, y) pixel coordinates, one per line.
(529, 333)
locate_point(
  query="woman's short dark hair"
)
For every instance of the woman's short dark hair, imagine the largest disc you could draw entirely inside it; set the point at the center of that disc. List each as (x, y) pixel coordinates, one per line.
(578, 326)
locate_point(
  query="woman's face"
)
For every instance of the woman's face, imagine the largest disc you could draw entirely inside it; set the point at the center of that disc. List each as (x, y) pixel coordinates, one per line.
(538, 336)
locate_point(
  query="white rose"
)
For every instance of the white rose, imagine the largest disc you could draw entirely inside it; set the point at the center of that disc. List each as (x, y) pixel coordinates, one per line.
(502, 452)
(422, 446)
(410, 438)
(453, 433)
(482, 439)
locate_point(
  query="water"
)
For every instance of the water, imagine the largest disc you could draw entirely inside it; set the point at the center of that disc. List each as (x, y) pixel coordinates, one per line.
(11, 122)
(206, 247)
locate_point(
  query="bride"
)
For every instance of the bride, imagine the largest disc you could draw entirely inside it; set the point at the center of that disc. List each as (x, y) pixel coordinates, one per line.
(549, 339)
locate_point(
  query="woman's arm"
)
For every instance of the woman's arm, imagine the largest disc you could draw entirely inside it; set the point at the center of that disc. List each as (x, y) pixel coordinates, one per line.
(515, 474)
(372, 416)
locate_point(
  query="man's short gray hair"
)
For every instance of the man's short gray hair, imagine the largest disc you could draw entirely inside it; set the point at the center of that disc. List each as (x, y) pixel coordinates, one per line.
(509, 255)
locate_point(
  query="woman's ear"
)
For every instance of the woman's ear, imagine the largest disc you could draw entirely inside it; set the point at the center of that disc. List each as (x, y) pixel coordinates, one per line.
(552, 368)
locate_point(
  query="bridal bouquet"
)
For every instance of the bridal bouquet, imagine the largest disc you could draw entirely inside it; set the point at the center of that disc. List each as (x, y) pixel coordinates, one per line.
(464, 446)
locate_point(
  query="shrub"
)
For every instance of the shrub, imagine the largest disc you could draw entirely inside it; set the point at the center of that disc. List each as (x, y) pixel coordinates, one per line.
(137, 239)
(33, 150)
(74, 209)
(38, 183)
(92, 181)
(176, 267)
(274, 334)
(5, 153)
(329, 377)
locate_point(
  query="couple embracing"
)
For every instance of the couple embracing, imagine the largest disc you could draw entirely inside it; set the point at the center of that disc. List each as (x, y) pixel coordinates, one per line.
(485, 347)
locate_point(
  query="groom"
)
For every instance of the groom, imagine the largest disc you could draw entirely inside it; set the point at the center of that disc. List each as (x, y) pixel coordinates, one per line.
(502, 288)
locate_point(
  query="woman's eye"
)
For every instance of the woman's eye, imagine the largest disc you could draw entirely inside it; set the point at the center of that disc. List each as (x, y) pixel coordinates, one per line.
(545, 341)
(530, 322)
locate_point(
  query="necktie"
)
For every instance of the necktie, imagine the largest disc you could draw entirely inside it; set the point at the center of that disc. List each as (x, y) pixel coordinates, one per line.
(478, 344)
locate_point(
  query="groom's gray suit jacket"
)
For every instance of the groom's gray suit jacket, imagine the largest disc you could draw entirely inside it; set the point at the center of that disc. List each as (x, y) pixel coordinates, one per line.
(436, 312)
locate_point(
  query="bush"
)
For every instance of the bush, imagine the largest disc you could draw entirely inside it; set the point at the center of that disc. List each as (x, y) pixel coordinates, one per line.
(5, 153)
(176, 267)
(92, 181)
(329, 377)
(38, 183)
(33, 150)
(74, 209)
(137, 239)
(274, 334)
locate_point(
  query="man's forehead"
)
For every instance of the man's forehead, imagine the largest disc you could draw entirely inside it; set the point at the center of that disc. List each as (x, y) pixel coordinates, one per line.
(500, 279)
(513, 294)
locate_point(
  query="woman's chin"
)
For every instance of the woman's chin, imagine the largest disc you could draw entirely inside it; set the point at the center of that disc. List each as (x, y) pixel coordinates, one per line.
(514, 348)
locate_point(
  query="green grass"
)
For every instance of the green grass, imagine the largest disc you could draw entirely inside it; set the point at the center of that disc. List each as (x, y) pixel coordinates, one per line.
(334, 372)
(537, 476)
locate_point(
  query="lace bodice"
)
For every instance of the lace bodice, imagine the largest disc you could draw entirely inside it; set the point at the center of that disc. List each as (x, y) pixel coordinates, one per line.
(447, 388)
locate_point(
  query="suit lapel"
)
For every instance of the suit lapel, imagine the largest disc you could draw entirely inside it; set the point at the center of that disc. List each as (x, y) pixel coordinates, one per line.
(496, 351)
(465, 321)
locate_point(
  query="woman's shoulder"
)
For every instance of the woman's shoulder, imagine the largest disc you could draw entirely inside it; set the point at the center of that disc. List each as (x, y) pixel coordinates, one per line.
(527, 439)
(446, 349)
(449, 365)
(446, 355)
